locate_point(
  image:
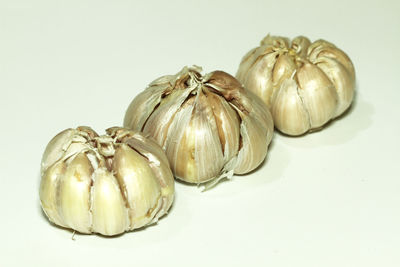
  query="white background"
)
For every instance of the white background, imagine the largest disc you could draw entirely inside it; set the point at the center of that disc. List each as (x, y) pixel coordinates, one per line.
(330, 198)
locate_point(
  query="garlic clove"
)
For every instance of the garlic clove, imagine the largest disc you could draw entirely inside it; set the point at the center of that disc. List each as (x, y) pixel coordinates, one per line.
(207, 145)
(161, 118)
(227, 122)
(63, 146)
(259, 77)
(255, 122)
(144, 103)
(157, 161)
(262, 114)
(196, 141)
(322, 48)
(251, 153)
(251, 60)
(318, 94)
(56, 148)
(49, 192)
(342, 81)
(148, 148)
(74, 194)
(282, 70)
(179, 153)
(160, 166)
(138, 183)
(247, 61)
(109, 212)
(288, 110)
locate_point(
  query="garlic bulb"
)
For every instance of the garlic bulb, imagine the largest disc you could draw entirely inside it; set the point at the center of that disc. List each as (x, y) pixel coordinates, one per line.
(104, 184)
(304, 84)
(209, 126)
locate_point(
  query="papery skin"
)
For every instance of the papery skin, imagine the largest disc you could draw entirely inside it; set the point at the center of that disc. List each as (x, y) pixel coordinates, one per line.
(304, 84)
(209, 126)
(104, 184)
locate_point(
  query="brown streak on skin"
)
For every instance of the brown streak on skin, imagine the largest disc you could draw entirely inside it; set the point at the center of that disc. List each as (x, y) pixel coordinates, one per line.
(231, 89)
(225, 81)
(218, 122)
(233, 102)
(240, 143)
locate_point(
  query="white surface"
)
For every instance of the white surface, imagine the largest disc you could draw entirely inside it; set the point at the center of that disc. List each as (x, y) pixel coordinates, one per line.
(330, 198)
